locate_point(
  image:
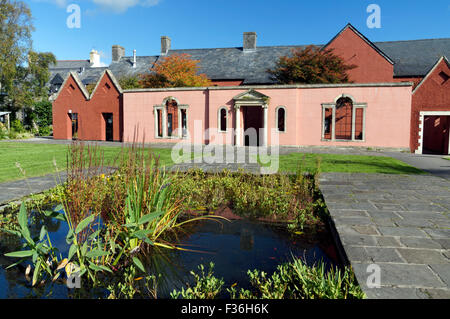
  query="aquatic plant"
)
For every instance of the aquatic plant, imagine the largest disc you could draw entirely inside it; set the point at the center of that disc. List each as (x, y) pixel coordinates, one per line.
(207, 286)
(40, 249)
(296, 280)
(293, 280)
(116, 212)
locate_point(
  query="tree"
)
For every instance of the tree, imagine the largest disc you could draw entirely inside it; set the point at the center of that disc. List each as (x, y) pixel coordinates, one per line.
(15, 39)
(177, 70)
(29, 84)
(130, 82)
(23, 72)
(43, 113)
(311, 65)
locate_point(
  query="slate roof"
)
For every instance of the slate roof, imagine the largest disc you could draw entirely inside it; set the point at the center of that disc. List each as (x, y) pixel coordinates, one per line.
(71, 64)
(411, 58)
(217, 63)
(415, 57)
(87, 76)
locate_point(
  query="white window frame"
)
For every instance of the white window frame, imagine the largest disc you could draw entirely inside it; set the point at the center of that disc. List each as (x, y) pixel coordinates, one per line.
(422, 115)
(219, 119)
(162, 107)
(332, 106)
(285, 118)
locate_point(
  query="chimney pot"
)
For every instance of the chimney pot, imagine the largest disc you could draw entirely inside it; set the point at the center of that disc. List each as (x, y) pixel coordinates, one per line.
(249, 41)
(117, 53)
(134, 58)
(94, 59)
(165, 45)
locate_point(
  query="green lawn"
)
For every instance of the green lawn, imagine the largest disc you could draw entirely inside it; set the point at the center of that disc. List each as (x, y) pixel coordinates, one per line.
(37, 159)
(345, 164)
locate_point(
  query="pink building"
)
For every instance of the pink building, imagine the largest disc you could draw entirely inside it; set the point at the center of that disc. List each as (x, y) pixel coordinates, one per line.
(361, 115)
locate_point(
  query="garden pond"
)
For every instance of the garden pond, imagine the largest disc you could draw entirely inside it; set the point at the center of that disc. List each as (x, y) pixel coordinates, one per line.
(234, 246)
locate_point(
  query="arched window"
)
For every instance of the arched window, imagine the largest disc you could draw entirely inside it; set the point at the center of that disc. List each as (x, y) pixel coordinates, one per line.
(172, 116)
(223, 119)
(280, 117)
(343, 120)
(171, 119)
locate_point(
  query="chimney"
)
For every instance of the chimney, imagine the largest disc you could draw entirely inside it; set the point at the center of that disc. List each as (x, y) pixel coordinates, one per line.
(94, 59)
(249, 41)
(117, 53)
(134, 58)
(165, 45)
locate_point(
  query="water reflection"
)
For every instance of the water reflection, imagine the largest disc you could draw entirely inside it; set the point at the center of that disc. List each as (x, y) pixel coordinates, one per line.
(234, 247)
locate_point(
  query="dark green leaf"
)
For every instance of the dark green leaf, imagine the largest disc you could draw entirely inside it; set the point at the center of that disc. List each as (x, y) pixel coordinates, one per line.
(94, 234)
(96, 253)
(149, 217)
(69, 237)
(97, 268)
(43, 232)
(139, 264)
(72, 251)
(84, 223)
(20, 254)
(15, 264)
(36, 273)
(23, 217)
(58, 208)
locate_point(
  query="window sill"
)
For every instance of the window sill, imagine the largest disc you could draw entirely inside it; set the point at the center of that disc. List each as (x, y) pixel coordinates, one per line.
(343, 141)
(171, 138)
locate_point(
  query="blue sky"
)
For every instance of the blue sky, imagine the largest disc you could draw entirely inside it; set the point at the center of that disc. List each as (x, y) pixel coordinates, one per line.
(139, 24)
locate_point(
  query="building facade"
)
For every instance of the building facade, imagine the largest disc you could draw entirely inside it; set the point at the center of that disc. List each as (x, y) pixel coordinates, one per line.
(399, 97)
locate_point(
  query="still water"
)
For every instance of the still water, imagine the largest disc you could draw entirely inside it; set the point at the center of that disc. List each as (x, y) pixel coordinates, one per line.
(234, 247)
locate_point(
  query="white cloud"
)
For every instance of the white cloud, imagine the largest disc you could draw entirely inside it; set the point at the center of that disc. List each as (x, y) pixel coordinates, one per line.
(59, 3)
(119, 6)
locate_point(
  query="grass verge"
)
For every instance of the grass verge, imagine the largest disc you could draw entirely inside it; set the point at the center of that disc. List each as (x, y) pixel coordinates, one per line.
(37, 159)
(345, 164)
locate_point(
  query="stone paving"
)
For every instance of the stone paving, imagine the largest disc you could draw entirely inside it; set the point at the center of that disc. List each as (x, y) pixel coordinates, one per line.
(15, 190)
(400, 223)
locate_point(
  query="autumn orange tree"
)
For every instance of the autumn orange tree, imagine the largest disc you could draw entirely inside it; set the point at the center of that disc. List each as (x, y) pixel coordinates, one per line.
(177, 70)
(311, 65)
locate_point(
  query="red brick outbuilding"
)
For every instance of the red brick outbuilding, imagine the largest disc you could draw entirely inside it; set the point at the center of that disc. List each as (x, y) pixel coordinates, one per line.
(430, 114)
(95, 117)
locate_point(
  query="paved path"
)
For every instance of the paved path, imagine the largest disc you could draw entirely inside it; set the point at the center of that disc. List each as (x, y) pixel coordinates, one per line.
(400, 223)
(434, 164)
(11, 191)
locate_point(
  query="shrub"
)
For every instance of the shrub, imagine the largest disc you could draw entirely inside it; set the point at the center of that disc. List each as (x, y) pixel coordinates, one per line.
(278, 197)
(44, 131)
(17, 126)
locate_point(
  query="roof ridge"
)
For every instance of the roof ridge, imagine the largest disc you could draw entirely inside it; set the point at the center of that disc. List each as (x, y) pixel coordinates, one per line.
(201, 49)
(72, 60)
(412, 40)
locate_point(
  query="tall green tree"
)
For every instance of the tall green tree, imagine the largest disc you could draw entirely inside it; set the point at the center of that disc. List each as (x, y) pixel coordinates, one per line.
(311, 65)
(15, 39)
(23, 72)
